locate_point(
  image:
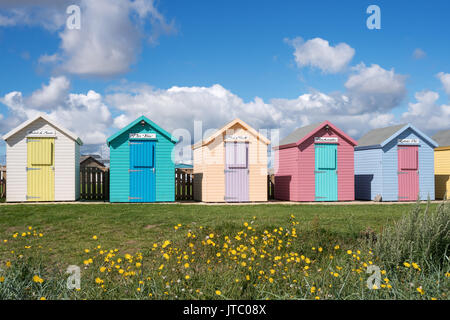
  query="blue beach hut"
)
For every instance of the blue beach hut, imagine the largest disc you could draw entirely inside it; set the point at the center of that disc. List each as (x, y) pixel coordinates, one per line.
(141, 164)
(396, 163)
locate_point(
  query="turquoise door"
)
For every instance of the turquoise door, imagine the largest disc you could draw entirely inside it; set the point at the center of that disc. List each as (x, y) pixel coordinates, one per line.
(142, 171)
(326, 172)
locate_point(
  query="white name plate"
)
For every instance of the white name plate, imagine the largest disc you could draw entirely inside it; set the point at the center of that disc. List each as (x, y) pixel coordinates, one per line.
(42, 132)
(142, 135)
(408, 141)
(325, 139)
(235, 138)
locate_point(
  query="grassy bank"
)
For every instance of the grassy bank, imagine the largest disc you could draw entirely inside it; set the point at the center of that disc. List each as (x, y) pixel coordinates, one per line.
(203, 252)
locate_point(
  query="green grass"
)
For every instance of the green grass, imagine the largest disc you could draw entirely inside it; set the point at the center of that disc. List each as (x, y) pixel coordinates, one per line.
(134, 228)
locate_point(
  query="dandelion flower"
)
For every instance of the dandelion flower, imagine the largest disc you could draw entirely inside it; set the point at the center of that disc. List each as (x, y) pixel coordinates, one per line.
(37, 279)
(218, 292)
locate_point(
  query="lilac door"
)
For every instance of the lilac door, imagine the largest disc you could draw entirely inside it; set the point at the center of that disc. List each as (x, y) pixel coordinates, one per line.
(236, 171)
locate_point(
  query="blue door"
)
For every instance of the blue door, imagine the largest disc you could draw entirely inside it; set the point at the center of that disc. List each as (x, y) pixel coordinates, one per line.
(326, 172)
(142, 171)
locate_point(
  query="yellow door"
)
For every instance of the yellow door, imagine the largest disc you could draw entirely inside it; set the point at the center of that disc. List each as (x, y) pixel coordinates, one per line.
(41, 169)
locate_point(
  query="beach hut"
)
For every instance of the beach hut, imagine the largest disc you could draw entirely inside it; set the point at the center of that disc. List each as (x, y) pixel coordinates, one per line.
(42, 162)
(315, 163)
(395, 163)
(141, 164)
(442, 164)
(231, 165)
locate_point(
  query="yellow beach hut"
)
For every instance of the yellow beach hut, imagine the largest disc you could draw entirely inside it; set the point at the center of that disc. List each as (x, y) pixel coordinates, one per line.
(231, 165)
(442, 164)
(42, 162)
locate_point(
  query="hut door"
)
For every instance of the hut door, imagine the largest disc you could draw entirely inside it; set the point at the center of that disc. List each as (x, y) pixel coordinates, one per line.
(408, 173)
(40, 169)
(142, 171)
(236, 172)
(326, 172)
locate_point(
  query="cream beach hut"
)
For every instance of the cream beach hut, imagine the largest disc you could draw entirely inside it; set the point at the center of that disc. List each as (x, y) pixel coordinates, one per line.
(231, 165)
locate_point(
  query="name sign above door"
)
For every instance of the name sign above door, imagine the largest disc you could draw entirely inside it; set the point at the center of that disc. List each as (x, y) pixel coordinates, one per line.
(236, 138)
(326, 139)
(41, 133)
(142, 135)
(408, 141)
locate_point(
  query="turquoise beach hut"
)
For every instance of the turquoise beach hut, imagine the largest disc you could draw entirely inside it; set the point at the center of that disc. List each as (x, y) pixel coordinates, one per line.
(141, 164)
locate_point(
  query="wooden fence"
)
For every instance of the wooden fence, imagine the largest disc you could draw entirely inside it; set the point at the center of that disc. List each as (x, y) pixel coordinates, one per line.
(2, 182)
(184, 184)
(94, 184)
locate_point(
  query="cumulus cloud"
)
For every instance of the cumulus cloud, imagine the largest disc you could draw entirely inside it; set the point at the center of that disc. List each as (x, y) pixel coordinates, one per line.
(445, 80)
(318, 53)
(94, 116)
(85, 114)
(375, 89)
(109, 41)
(426, 113)
(51, 95)
(178, 107)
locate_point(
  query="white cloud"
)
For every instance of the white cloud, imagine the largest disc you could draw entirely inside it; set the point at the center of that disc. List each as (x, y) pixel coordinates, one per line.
(84, 114)
(51, 95)
(426, 113)
(178, 107)
(445, 80)
(111, 35)
(419, 54)
(318, 53)
(375, 89)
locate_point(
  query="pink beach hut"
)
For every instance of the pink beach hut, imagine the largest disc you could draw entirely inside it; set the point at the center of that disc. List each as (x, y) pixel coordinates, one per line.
(315, 163)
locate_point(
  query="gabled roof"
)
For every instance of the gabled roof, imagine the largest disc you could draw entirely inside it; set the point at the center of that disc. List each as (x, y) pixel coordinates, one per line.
(301, 134)
(147, 120)
(442, 138)
(87, 157)
(227, 127)
(70, 134)
(378, 138)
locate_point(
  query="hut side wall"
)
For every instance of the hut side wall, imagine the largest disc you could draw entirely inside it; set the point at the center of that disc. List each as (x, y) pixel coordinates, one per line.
(286, 176)
(442, 173)
(368, 174)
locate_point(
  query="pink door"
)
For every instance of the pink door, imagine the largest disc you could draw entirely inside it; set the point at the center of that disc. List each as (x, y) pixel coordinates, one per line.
(408, 173)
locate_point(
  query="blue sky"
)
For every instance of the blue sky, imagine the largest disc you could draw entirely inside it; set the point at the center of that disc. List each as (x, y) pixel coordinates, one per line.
(215, 60)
